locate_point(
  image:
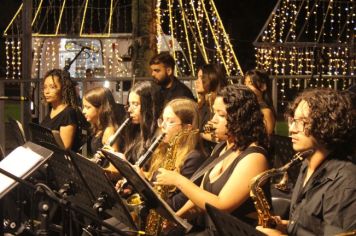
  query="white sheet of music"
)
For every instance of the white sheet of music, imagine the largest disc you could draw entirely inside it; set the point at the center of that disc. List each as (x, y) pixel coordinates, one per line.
(18, 162)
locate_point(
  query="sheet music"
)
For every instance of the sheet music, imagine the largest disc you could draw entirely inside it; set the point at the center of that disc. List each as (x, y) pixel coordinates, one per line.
(18, 162)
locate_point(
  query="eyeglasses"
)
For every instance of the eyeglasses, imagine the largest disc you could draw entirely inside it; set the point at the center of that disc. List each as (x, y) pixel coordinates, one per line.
(299, 124)
(166, 124)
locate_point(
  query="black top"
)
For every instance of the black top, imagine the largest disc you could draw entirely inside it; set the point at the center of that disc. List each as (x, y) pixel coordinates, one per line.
(192, 162)
(66, 117)
(177, 90)
(96, 144)
(326, 205)
(215, 187)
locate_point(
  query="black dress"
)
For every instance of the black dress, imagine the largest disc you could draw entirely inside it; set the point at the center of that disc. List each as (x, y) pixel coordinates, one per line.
(215, 187)
(66, 117)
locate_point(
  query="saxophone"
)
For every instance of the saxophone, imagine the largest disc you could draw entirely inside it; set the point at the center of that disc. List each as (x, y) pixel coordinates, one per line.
(154, 220)
(265, 218)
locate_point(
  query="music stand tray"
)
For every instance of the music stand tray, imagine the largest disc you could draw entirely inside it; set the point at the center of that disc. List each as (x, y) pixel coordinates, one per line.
(227, 224)
(143, 187)
(22, 162)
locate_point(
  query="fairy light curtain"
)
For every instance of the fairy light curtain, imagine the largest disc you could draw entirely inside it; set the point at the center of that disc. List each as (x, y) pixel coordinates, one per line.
(78, 19)
(309, 38)
(194, 33)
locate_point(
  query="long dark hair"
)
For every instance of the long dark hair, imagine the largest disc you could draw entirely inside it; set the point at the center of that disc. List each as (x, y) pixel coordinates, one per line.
(102, 99)
(258, 79)
(139, 137)
(214, 78)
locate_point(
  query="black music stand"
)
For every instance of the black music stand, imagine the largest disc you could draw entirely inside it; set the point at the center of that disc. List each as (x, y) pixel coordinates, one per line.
(18, 130)
(226, 224)
(85, 185)
(106, 199)
(143, 187)
(43, 136)
(30, 155)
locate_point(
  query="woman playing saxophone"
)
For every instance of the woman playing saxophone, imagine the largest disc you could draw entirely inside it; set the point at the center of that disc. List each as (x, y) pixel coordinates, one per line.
(238, 121)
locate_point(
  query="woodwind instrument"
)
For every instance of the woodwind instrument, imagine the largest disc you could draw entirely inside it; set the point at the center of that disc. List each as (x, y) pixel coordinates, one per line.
(262, 206)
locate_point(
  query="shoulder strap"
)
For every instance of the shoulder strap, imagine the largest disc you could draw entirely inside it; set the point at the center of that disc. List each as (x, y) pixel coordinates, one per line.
(212, 161)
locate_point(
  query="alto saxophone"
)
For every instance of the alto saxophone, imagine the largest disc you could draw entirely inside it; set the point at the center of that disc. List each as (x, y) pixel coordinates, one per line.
(154, 220)
(265, 218)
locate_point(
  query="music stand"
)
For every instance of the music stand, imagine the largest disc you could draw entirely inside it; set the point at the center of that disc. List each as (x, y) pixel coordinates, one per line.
(226, 224)
(143, 187)
(30, 155)
(18, 129)
(105, 196)
(44, 136)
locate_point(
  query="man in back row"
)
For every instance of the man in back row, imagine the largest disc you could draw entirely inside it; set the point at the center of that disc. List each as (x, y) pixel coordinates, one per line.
(162, 70)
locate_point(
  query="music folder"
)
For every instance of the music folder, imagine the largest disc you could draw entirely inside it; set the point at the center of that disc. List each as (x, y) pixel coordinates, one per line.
(22, 162)
(144, 188)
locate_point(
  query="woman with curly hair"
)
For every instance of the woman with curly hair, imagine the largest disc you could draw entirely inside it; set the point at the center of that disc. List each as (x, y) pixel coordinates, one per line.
(59, 93)
(239, 123)
(324, 197)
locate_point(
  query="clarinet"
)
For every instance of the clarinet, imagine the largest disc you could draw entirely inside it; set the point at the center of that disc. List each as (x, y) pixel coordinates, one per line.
(115, 136)
(147, 155)
(98, 157)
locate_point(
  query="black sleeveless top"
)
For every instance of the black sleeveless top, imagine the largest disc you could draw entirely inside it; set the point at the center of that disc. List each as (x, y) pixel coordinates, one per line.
(96, 144)
(215, 187)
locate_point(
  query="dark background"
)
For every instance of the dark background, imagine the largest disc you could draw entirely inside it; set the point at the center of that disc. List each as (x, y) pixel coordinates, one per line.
(243, 20)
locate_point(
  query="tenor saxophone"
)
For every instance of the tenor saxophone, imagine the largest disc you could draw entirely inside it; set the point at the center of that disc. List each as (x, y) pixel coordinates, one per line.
(262, 206)
(154, 220)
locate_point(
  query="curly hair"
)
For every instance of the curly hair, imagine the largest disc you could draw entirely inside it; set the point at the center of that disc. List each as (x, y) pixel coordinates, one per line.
(331, 119)
(102, 99)
(67, 86)
(244, 117)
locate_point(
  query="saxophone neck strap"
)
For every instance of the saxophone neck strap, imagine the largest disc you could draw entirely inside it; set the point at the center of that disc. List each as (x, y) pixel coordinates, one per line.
(213, 161)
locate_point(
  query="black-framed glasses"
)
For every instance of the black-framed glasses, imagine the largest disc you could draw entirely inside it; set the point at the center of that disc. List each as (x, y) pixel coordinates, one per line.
(299, 124)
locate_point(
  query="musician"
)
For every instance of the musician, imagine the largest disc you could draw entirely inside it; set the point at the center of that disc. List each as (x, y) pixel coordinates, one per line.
(258, 82)
(144, 108)
(59, 93)
(239, 122)
(180, 123)
(98, 109)
(162, 70)
(210, 80)
(324, 196)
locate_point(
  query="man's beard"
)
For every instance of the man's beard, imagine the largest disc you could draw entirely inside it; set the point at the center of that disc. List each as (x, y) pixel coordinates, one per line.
(163, 83)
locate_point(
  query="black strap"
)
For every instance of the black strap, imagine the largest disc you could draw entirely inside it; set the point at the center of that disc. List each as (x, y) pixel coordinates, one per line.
(201, 171)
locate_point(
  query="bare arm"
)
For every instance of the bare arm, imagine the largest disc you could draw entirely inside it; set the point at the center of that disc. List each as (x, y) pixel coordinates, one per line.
(108, 132)
(269, 120)
(228, 198)
(67, 134)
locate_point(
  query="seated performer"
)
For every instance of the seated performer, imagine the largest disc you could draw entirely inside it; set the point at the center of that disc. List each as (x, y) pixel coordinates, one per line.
(238, 121)
(324, 196)
(59, 93)
(211, 79)
(258, 82)
(98, 109)
(180, 150)
(144, 108)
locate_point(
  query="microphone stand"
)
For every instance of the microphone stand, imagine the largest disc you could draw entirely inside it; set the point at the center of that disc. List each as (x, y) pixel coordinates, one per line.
(44, 207)
(67, 67)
